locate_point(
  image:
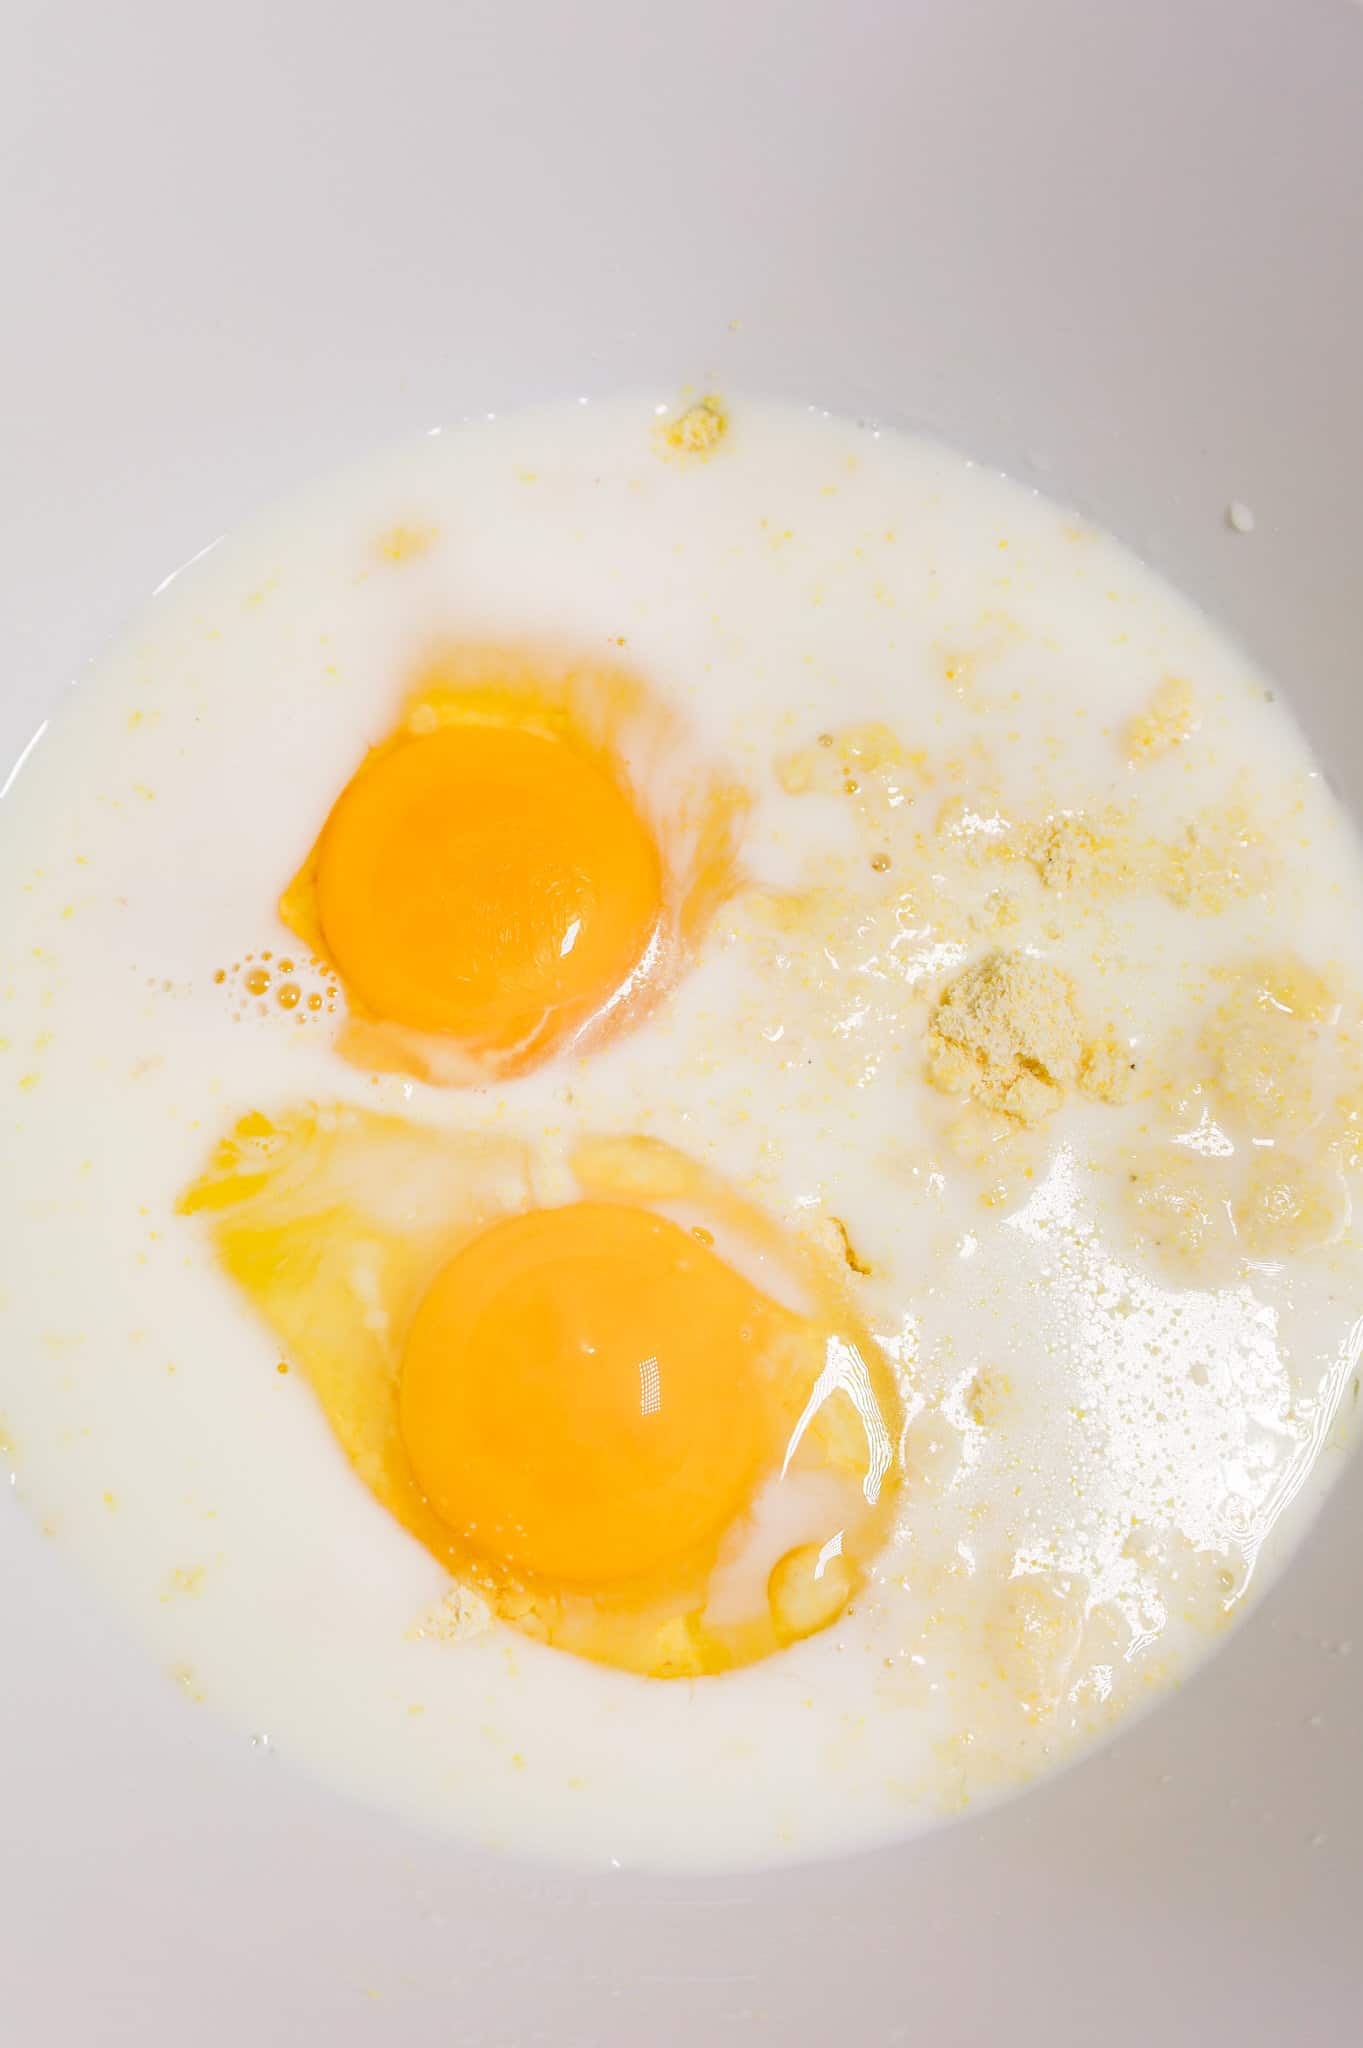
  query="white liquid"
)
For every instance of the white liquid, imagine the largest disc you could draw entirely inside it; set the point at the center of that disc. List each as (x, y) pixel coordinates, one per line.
(1136, 1461)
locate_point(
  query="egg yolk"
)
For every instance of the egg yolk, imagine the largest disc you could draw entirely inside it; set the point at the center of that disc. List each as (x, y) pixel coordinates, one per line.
(581, 1394)
(489, 882)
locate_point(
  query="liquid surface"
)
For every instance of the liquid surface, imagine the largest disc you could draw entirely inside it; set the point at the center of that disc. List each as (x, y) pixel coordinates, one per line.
(1028, 998)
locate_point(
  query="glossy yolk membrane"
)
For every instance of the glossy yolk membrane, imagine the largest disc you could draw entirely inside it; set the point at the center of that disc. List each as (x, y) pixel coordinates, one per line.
(488, 882)
(581, 1396)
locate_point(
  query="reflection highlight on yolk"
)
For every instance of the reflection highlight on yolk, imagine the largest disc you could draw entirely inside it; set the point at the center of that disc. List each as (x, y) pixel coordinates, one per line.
(581, 1396)
(486, 881)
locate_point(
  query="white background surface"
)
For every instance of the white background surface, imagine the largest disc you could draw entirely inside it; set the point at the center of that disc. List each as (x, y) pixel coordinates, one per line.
(1118, 242)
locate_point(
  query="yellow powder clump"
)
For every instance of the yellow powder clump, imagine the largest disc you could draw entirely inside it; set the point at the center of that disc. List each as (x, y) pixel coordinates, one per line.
(1008, 1032)
(457, 1615)
(1070, 851)
(1215, 861)
(1105, 1071)
(1167, 720)
(1289, 1206)
(1263, 1043)
(699, 430)
(998, 913)
(1180, 1203)
(1265, 1067)
(988, 1398)
(1033, 1640)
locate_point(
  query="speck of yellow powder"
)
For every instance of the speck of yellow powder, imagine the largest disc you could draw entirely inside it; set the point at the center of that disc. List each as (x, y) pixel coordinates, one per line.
(698, 431)
(187, 1680)
(1167, 720)
(1008, 1032)
(406, 543)
(184, 1582)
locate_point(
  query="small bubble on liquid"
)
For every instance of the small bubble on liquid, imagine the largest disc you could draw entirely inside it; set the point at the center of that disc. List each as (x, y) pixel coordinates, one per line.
(220, 974)
(288, 996)
(314, 1001)
(286, 967)
(257, 981)
(880, 862)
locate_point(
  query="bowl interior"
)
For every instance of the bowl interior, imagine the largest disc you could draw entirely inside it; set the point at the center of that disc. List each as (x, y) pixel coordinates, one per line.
(1112, 249)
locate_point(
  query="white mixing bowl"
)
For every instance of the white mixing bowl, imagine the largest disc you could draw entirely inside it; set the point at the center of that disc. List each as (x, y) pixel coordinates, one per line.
(1115, 247)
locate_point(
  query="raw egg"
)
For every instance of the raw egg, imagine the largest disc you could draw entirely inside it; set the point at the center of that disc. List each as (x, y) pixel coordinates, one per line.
(642, 1424)
(527, 860)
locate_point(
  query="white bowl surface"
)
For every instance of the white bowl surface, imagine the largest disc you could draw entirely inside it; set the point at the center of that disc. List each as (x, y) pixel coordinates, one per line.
(1113, 247)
